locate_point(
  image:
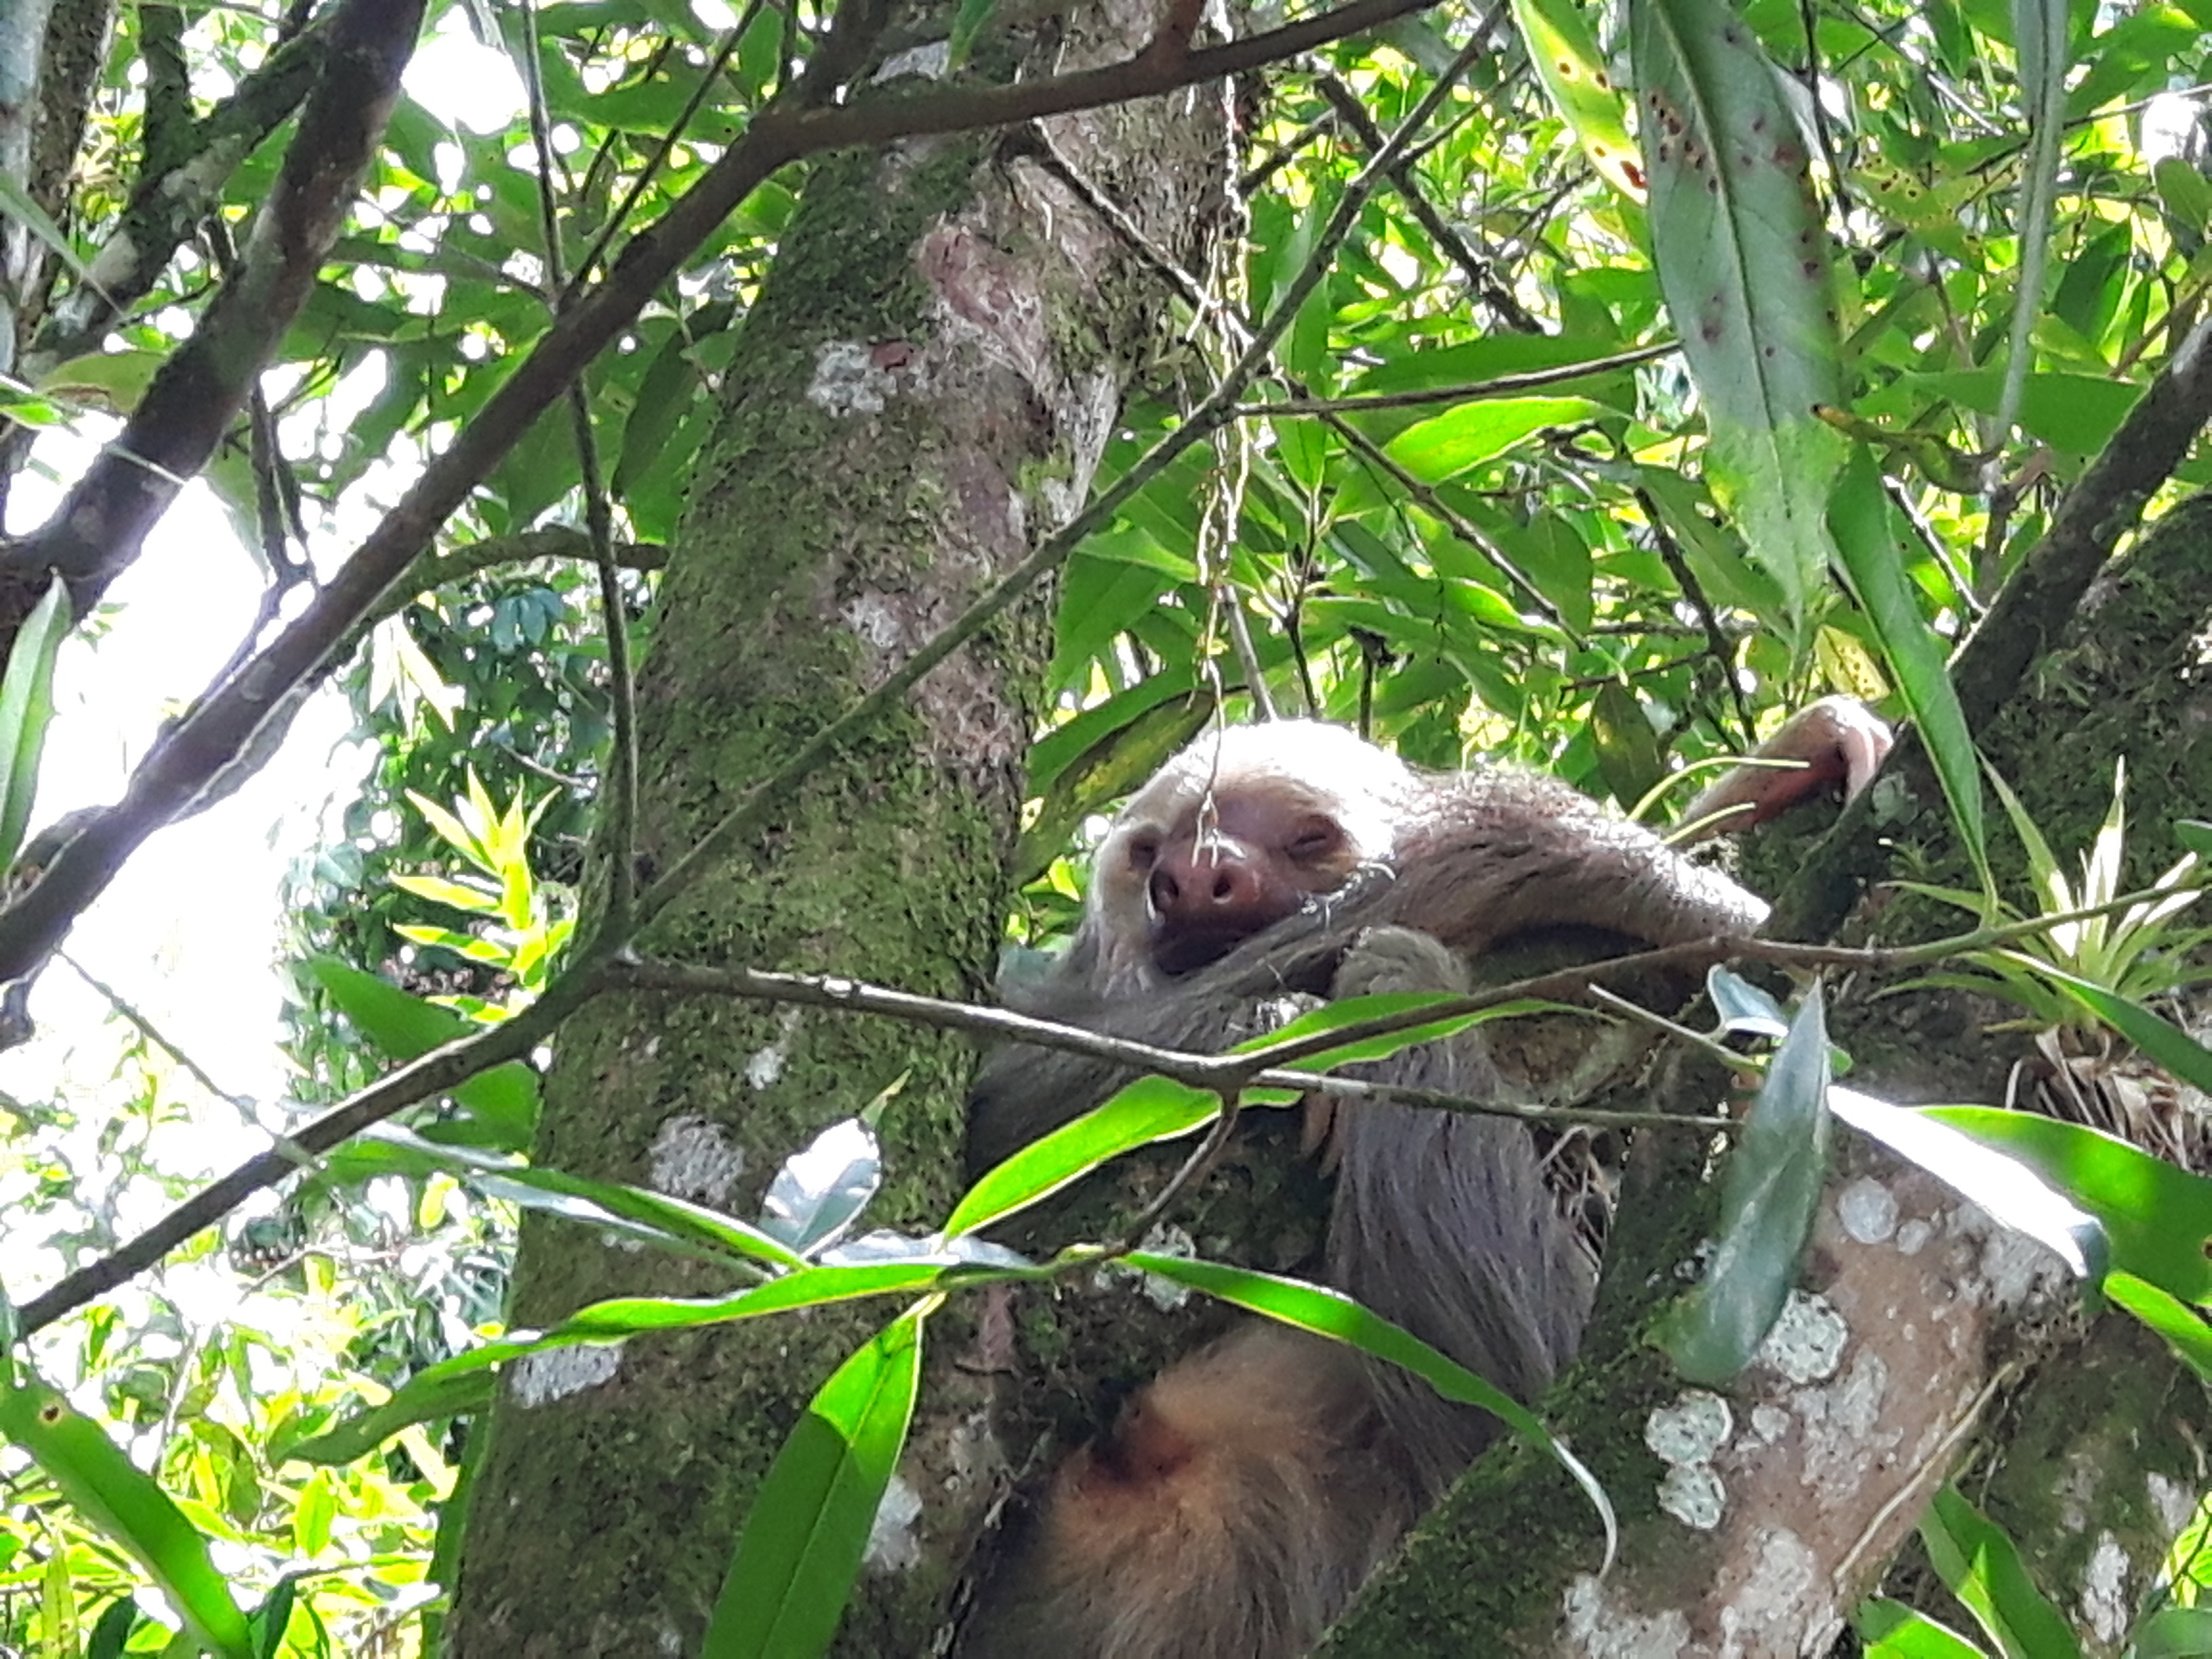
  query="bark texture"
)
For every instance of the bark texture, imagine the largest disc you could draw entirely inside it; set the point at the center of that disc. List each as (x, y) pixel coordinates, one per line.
(921, 392)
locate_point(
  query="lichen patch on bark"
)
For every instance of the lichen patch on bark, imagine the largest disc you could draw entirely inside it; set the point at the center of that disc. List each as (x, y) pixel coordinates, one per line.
(556, 1373)
(694, 1157)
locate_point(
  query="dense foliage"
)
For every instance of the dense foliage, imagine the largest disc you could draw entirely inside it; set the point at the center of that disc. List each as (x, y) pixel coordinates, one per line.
(1561, 456)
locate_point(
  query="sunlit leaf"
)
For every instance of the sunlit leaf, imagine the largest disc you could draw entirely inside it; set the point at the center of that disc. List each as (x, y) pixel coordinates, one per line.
(2007, 1188)
(2157, 1216)
(1867, 541)
(1890, 1629)
(125, 1504)
(1980, 1565)
(27, 707)
(1573, 71)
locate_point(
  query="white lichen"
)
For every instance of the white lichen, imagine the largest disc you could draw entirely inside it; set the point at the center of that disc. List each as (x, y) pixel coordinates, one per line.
(2174, 1503)
(1807, 1340)
(934, 61)
(2105, 1590)
(1165, 1294)
(694, 1157)
(1783, 1592)
(1599, 1630)
(764, 1066)
(847, 379)
(1868, 1210)
(556, 1373)
(1693, 1494)
(1769, 1423)
(1844, 1436)
(894, 1539)
(1691, 1430)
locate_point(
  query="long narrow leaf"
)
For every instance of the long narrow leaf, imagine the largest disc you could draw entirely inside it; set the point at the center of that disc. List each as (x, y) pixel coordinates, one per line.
(1891, 1630)
(27, 707)
(2157, 1216)
(432, 1391)
(2006, 1188)
(1980, 1565)
(2038, 30)
(1768, 1204)
(1864, 525)
(2163, 1041)
(803, 1543)
(1743, 263)
(1332, 1314)
(674, 1218)
(2181, 1325)
(126, 1505)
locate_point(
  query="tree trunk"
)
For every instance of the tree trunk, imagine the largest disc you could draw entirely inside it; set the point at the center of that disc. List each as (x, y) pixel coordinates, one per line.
(921, 392)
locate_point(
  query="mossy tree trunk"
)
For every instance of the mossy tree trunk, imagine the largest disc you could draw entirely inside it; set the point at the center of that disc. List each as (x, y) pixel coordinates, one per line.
(921, 393)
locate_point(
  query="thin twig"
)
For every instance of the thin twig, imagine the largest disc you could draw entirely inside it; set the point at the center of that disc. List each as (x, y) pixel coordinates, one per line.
(618, 803)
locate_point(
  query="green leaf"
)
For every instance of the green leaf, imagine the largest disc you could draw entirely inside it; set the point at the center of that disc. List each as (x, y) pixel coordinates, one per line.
(27, 707)
(1152, 1108)
(2159, 1038)
(1573, 71)
(1452, 443)
(672, 1220)
(803, 1542)
(968, 22)
(1743, 1007)
(1871, 551)
(1979, 1565)
(126, 1505)
(1891, 1630)
(2005, 1187)
(1629, 757)
(1743, 260)
(2039, 50)
(1332, 1314)
(2174, 1633)
(438, 1391)
(2181, 1325)
(113, 1629)
(363, 1433)
(437, 887)
(269, 1620)
(2158, 1218)
(505, 1098)
(1771, 1193)
(17, 203)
